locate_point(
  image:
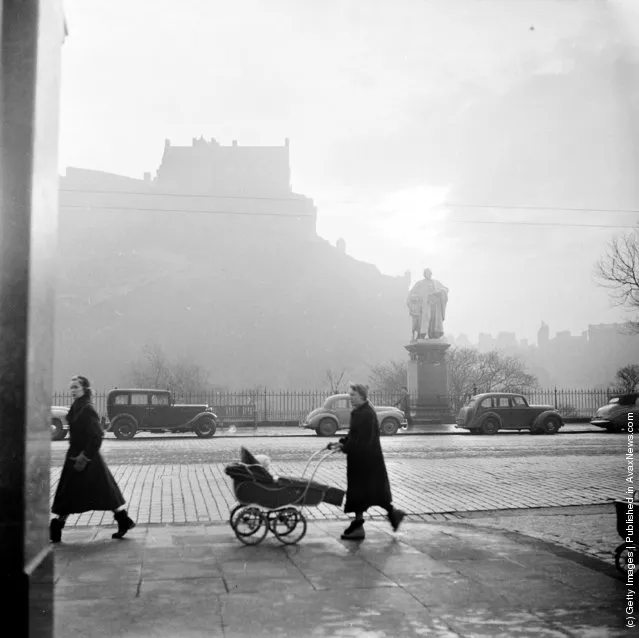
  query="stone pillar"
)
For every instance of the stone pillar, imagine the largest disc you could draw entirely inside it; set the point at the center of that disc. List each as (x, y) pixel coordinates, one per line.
(31, 37)
(428, 380)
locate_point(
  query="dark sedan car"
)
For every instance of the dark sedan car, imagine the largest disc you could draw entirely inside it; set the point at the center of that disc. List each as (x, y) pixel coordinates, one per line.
(135, 410)
(617, 413)
(488, 413)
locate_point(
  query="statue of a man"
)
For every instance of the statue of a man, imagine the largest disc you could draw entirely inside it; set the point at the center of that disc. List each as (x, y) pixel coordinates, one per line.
(427, 303)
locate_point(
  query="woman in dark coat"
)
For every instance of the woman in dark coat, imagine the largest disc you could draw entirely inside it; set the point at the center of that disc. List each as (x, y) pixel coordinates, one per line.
(366, 476)
(86, 483)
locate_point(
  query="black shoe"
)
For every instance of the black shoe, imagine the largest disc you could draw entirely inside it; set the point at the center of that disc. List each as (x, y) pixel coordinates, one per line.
(354, 532)
(395, 518)
(55, 530)
(124, 524)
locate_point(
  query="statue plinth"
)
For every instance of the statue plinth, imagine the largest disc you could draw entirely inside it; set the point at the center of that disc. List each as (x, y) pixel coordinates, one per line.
(428, 380)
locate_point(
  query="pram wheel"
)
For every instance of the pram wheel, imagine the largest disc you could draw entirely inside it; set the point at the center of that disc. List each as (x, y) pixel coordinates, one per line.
(288, 525)
(249, 524)
(234, 511)
(621, 558)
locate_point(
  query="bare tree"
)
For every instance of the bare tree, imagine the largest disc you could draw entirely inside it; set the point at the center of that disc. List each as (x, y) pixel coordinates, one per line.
(334, 380)
(627, 378)
(389, 377)
(152, 369)
(155, 370)
(471, 371)
(618, 270)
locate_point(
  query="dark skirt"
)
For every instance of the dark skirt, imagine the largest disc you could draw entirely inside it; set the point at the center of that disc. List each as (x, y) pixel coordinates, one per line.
(92, 489)
(367, 483)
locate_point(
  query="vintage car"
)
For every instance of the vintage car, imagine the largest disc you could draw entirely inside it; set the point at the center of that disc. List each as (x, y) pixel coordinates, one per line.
(135, 410)
(490, 412)
(335, 415)
(617, 413)
(59, 423)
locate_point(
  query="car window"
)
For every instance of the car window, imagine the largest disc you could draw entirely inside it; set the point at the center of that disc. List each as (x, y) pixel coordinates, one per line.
(519, 402)
(503, 402)
(487, 402)
(121, 399)
(139, 399)
(340, 404)
(615, 400)
(159, 399)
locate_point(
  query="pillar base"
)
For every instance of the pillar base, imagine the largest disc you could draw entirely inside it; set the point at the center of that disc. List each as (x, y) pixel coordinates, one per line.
(428, 381)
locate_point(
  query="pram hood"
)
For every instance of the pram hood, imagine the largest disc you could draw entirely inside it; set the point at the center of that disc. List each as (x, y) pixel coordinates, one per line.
(248, 468)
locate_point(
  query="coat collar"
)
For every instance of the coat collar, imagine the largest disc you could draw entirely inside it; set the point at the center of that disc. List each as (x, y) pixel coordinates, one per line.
(361, 407)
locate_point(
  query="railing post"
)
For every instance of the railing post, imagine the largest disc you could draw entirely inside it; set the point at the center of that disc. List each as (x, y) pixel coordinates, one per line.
(265, 406)
(555, 397)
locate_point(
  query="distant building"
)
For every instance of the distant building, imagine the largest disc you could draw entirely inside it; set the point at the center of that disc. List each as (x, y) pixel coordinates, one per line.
(486, 343)
(245, 191)
(543, 335)
(208, 167)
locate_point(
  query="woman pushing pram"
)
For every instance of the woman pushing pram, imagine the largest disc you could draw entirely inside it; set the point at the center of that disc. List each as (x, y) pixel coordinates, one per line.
(269, 503)
(366, 475)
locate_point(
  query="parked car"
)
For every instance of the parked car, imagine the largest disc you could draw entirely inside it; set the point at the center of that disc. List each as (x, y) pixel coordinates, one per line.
(335, 415)
(136, 410)
(615, 415)
(493, 411)
(59, 423)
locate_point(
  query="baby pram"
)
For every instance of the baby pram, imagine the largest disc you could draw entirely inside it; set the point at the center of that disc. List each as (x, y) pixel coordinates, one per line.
(267, 504)
(625, 530)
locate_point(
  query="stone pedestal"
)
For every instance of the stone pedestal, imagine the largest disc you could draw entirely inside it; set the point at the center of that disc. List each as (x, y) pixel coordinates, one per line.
(428, 380)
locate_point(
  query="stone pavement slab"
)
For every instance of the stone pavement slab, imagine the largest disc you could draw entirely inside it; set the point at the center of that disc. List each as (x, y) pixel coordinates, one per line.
(439, 579)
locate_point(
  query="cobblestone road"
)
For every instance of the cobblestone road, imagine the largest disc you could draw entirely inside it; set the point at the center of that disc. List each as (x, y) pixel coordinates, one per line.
(153, 449)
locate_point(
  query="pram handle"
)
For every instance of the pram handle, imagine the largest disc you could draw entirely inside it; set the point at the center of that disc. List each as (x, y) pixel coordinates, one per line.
(326, 451)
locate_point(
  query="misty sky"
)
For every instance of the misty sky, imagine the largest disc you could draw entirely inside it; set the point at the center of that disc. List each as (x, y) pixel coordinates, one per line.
(362, 90)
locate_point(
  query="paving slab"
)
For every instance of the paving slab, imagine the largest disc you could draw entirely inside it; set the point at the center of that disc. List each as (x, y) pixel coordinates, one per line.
(431, 579)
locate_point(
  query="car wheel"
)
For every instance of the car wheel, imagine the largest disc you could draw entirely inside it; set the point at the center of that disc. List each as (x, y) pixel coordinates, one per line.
(124, 428)
(474, 431)
(621, 558)
(326, 427)
(535, 428)
(205, 428)
(389, 427)
(58, 433)
(552, 425)
(490, 426)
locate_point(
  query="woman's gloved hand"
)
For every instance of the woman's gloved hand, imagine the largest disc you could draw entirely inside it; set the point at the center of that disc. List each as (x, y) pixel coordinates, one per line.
(81, 461)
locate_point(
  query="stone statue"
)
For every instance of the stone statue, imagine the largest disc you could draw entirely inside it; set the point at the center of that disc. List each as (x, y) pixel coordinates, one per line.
(427, 303)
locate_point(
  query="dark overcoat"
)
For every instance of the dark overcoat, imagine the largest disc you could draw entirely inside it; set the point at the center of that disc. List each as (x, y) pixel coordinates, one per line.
(94, 488)
(366, 476)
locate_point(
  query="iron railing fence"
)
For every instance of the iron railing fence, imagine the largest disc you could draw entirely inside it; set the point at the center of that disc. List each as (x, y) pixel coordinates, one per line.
(290, 406)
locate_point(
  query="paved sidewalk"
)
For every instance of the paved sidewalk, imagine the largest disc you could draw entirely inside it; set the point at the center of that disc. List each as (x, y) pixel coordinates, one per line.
(435, 580)
(202, 493)
(590, 530)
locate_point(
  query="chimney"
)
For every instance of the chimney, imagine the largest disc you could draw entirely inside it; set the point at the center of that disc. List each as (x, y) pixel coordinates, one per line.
(286, 142)
(234, 143)
(147, 177)
(167, 142)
